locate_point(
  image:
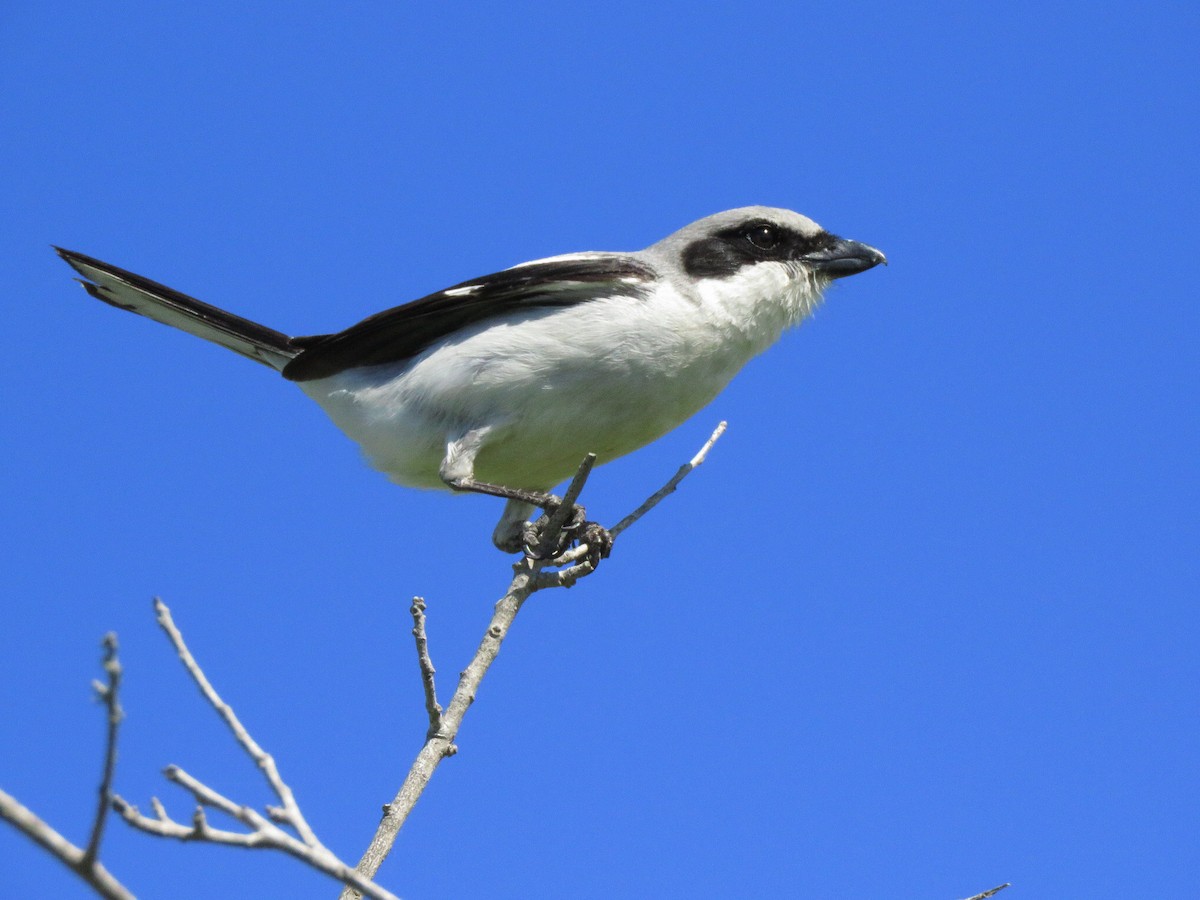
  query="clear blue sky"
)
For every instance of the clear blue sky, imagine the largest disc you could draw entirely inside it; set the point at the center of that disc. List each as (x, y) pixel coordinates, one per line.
(927, 620)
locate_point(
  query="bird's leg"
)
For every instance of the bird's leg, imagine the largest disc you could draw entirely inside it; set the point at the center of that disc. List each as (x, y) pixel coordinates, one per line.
(540, 499)
(509, 535)
(512, 533)
(458, 472)
(513, 537)
(552, 533)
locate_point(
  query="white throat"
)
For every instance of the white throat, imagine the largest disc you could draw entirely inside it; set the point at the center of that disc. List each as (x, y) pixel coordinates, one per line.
(758, 303)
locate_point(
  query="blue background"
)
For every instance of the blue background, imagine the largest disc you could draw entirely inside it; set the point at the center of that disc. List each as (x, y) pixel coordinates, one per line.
(926, 620)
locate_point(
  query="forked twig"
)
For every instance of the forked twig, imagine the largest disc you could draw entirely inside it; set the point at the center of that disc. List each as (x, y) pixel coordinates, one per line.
(291, 814)
(264, 830)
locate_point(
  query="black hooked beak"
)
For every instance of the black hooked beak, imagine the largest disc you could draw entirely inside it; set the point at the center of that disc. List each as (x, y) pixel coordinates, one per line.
(843, 257)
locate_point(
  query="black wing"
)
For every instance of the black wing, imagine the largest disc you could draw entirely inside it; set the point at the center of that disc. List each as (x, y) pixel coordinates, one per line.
(401, 333)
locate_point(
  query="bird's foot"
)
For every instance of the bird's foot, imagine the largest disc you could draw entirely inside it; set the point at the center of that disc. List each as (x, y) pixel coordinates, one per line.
(559, 528)
(562, 525)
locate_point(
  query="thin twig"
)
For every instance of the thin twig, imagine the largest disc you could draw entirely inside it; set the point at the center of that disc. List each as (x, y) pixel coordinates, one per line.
(559, 518)
(112, 705)
(671, 485)
(528, 577)
(432, 707)
(990, 893)
(549, 531)
(84, 862)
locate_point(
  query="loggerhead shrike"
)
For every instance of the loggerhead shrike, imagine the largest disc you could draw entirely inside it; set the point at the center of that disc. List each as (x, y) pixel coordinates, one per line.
(502, 384)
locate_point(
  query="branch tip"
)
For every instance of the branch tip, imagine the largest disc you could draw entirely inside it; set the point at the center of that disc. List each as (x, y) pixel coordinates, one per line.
(686, 469)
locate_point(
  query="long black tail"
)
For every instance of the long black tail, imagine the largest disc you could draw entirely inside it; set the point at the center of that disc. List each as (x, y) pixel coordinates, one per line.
(162, 304)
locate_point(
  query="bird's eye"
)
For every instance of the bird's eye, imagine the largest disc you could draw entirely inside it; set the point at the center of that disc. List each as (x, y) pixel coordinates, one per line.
(764, 237)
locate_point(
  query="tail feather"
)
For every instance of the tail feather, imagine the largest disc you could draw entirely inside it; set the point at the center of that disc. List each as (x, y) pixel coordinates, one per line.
(126, 290)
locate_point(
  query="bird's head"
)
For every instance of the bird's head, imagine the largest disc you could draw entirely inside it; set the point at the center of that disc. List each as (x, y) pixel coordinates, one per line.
(759, 269)
(728, 243)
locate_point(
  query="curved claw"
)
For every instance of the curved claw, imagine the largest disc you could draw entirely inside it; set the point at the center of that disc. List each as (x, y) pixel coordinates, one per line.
(542, 543)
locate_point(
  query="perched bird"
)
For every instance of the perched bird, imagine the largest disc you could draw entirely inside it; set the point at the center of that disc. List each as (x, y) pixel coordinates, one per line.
(502, 384)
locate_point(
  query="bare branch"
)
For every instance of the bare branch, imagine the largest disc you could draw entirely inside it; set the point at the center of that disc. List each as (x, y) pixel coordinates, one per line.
(529, 576)
(262, 759)
(83, 862)
(264, 832)
(265, 836)
(432, 707)
(441, 744)
(990, 893)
